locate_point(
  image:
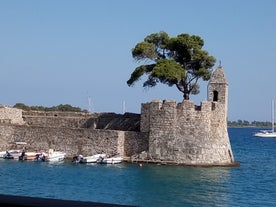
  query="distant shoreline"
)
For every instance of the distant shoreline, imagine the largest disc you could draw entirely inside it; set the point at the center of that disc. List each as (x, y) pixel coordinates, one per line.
(257, 127)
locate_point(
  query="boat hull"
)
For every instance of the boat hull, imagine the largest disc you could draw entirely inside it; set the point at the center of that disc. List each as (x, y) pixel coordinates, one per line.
(11, 154)
(29, 156)
(51, 157)
(266, 134)
(88, 159)
(56, 157)
(92, 159)
(111, 160)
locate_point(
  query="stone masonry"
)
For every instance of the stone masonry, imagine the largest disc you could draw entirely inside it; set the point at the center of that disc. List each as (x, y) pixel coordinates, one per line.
(10, 115)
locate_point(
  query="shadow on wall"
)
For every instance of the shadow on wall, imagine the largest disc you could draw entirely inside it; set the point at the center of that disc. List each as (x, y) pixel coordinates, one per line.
(112, 121)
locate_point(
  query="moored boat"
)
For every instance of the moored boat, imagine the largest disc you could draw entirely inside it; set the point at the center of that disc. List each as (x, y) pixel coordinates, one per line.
(27, 156)
(110, 160)
(56, 156)
(265, 134)
(11, 154)
(268, 133)
(51, 156)
(88, 159)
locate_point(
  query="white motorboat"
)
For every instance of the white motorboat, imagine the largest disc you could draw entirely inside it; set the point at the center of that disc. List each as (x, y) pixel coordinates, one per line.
(51, 156)
(10, 154)
(56, 156)
(268, 133)
(110, 160)
(92, 159)
(88, 159)
(13, 153)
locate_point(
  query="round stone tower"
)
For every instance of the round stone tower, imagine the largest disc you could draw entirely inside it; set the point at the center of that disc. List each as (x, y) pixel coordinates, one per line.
(218, 96)
(187, 134)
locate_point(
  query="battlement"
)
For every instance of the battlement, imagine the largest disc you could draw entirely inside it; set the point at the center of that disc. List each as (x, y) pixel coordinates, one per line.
(165, 105)
(156, 111)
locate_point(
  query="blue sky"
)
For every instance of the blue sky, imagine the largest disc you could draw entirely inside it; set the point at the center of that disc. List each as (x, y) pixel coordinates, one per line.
(68, 52)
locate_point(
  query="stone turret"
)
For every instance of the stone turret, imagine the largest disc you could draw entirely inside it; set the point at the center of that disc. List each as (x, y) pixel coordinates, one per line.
(187, 134)
(218, 88)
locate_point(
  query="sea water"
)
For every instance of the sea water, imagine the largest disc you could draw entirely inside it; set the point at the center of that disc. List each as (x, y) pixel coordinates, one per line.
(253, 183)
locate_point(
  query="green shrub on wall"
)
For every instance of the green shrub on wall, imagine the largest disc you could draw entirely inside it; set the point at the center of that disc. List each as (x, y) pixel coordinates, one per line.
(61, 107)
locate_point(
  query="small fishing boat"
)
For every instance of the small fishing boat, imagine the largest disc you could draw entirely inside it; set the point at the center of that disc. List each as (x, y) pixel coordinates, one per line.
(30, 156)
(110, 160)
(56, 156)
(11, 154)
(4, 153)
(88, 159)
(51, 156)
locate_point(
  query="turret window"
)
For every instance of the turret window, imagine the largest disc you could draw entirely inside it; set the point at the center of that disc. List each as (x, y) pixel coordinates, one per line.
(215, 96)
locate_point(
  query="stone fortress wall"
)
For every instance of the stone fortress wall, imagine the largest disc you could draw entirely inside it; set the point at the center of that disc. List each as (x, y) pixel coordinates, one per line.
(74, 133)
(165, 132)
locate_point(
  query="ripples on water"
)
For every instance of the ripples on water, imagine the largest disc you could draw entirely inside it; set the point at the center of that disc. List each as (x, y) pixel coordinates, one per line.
(251, 184)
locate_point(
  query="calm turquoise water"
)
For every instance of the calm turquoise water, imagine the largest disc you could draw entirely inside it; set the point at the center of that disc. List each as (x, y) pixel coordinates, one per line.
(251, 184)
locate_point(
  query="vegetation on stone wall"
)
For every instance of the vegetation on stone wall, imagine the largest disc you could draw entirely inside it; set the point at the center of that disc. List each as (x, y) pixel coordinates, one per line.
(176, 61)
(61, 107)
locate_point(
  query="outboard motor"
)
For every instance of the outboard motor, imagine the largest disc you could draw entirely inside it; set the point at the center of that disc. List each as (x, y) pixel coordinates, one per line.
(23, 156)
(37, 157)
(40, 157)
(43, 158)
(100, 160)
(76, 159)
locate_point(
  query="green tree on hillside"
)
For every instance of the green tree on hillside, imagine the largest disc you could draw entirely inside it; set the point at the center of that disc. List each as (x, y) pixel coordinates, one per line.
(178, 61)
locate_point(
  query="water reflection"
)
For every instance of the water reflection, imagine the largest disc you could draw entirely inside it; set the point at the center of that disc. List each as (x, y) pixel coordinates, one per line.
(181, 186)
(251, 184)
(150, 185)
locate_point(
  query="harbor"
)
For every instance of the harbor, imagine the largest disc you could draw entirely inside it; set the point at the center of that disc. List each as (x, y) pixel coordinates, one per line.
(250, 184)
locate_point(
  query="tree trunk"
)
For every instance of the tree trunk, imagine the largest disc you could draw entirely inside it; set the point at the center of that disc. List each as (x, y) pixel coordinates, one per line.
(186, 96)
